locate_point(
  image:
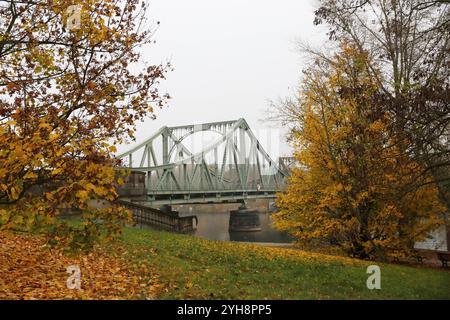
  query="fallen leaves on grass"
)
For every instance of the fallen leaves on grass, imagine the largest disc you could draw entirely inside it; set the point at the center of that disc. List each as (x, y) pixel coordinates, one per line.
(29, 269)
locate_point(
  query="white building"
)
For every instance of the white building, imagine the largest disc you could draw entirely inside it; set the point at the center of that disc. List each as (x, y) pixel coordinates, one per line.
(437, 240)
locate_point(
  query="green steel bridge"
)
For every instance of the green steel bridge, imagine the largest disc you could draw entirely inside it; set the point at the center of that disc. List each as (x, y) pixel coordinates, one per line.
(232, 167)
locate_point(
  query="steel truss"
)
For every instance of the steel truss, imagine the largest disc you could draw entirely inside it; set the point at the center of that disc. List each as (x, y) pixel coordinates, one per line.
(235, 166)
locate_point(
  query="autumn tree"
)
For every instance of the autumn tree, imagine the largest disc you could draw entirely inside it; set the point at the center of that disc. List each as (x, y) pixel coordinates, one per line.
(354, 188)
(69, 91)
(410, 42)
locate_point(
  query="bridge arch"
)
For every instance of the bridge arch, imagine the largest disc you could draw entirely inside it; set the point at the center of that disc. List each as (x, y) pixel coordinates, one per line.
(176, 146)
(233, 167)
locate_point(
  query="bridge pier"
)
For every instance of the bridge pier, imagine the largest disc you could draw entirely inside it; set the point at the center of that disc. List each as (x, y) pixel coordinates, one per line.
(244, 220)
(168, 209)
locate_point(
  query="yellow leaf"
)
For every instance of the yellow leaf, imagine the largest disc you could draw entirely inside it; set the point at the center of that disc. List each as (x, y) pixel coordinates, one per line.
(44, 125)
(82, 195)
(30, 175)
(89, 186)
(57, 171)
(100, 191)
(14, 193)
(4, 215)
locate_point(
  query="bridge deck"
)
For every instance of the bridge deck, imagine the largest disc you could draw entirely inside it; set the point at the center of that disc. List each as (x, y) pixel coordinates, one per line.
(162, 198)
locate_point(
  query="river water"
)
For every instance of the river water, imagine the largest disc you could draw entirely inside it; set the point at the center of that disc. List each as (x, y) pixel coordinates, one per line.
(214, 226)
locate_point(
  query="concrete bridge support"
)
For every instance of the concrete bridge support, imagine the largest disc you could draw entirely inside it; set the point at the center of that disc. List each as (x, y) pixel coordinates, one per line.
(244, 219)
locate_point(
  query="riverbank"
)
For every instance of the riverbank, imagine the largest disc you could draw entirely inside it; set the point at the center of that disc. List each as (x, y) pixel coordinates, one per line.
(149, 264)
(188, 267)
(270, 244)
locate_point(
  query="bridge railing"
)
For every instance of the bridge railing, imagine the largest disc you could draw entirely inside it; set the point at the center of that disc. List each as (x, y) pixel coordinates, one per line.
(147, 215)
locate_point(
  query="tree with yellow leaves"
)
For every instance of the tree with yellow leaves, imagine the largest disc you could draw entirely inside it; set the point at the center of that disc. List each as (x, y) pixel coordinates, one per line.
(68, 94)
(353, 187)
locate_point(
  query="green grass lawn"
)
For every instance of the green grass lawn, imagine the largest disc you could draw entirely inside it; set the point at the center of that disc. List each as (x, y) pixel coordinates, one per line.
(193, 268)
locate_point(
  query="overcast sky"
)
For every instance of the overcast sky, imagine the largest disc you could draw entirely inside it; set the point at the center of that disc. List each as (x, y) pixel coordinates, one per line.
(230, 58)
